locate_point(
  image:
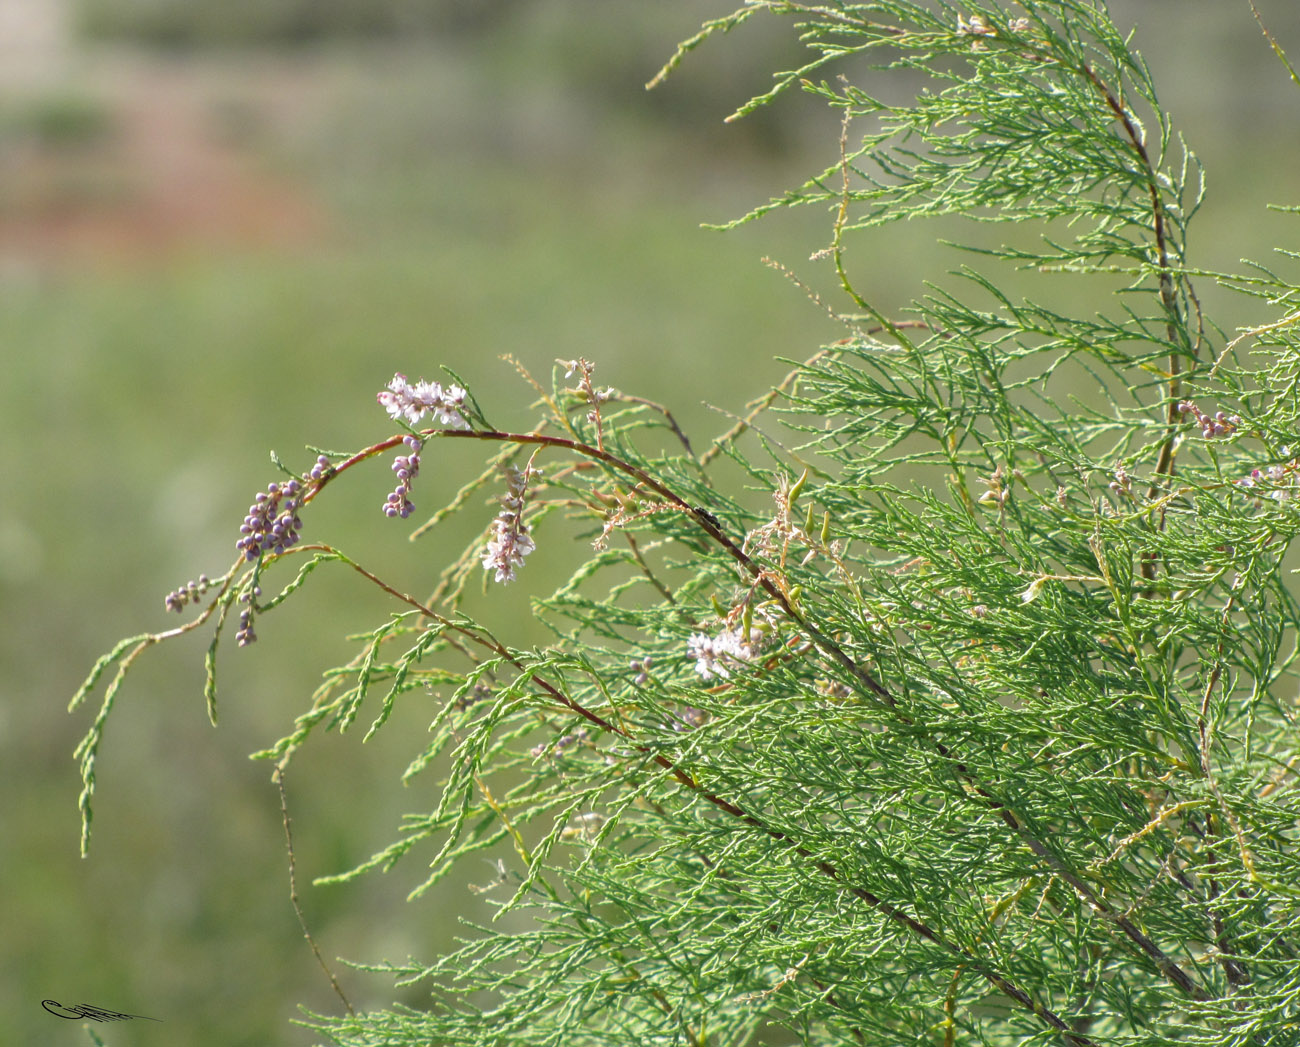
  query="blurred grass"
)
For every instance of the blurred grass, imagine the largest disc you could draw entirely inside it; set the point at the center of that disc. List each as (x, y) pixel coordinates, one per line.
(141, 401)
(482, 196)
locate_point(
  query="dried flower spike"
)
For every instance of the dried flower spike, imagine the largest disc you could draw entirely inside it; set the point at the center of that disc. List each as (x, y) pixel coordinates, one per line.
(594, 397)
(996, 494)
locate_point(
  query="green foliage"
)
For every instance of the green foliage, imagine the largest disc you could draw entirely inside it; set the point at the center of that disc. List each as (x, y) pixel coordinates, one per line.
(60, 120)
(962, 708)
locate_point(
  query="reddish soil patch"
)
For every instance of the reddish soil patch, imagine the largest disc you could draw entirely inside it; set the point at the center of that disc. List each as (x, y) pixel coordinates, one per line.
(164, 178)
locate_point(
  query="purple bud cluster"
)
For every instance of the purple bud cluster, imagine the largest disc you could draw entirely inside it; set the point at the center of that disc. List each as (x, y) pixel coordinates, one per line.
(187, 593)
(403, 400)
(245, 634)
(406, 466)
(1212, 425)
(640, 666)
(562, 744)
(322, 468)
(481, 693)
(509, 541)
(272, 523)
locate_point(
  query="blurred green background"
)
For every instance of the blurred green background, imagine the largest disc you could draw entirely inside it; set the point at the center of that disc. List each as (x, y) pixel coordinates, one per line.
(222, 228)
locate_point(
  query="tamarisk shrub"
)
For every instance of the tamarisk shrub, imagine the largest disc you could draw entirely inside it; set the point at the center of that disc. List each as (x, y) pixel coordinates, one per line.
(956, 706)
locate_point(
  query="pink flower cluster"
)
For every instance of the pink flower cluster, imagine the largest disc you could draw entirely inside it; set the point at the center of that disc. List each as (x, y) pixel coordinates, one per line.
(509, 541)
(403, 400)
(1282, 478)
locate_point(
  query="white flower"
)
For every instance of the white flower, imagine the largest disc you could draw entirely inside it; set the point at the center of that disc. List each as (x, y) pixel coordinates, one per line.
(713, 654)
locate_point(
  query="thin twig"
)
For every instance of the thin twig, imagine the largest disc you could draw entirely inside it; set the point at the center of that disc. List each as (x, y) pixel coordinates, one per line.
(293, 889)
